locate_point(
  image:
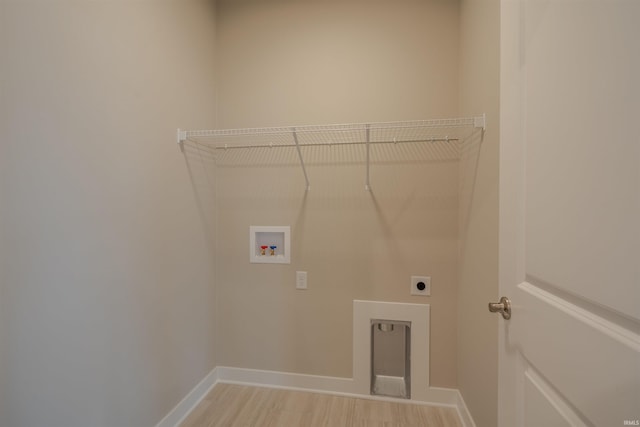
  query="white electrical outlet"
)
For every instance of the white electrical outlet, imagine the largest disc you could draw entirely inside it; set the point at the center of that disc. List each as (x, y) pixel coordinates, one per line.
(420, 285)
(301, 280)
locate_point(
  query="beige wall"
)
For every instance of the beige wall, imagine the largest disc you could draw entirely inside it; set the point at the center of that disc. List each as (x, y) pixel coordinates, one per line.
(106, 278)
(478, 282)
(106, 315)
(305, 62)
(286, 62)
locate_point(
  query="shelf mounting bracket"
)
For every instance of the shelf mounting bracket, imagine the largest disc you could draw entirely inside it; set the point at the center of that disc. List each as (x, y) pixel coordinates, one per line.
(367, 185)
(480, 122)
(304, 169)
(181, 136)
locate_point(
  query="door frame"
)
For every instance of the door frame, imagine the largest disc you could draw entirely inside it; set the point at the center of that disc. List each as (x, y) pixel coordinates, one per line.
(511, 197)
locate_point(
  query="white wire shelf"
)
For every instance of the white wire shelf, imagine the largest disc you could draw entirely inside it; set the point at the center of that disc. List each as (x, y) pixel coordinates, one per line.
(439, 130)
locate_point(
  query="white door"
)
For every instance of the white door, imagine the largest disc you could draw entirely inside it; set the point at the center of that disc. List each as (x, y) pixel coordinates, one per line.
(570, 213)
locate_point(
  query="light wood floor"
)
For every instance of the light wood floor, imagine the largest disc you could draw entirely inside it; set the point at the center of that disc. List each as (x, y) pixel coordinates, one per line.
(238, 405)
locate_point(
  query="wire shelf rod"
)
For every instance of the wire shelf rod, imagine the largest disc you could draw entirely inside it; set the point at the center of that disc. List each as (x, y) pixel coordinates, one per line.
(325, 144)
(353, 127)
(416, 131)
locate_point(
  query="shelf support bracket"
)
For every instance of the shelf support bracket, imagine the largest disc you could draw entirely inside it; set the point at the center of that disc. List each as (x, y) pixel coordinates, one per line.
(367, 185)
(304, 169)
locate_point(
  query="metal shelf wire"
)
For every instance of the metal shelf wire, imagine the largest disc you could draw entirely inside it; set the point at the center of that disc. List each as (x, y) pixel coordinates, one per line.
(439, 130)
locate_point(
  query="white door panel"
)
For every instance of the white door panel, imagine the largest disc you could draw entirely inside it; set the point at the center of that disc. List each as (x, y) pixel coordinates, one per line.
(582, 101)
(570, 213)
(592, 360)
(543, 406)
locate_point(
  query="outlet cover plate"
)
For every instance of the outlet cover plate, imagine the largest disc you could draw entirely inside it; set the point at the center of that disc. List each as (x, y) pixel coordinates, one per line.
(415, 290)
(301, 280)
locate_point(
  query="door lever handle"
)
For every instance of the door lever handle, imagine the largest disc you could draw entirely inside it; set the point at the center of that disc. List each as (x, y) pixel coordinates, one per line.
(503, 307)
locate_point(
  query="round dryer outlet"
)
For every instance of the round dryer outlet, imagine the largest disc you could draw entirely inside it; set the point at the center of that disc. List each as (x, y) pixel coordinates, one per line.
(420, 285)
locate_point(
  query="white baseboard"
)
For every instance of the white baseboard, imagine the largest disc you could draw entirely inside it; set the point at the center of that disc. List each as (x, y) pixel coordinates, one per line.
(321, 384)
(311, 383)
(316, 383)
(186, 405)
(337, 386)
(463, 411)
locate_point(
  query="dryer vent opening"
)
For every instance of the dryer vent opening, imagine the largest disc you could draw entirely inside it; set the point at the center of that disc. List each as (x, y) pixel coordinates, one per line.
(390, 358)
